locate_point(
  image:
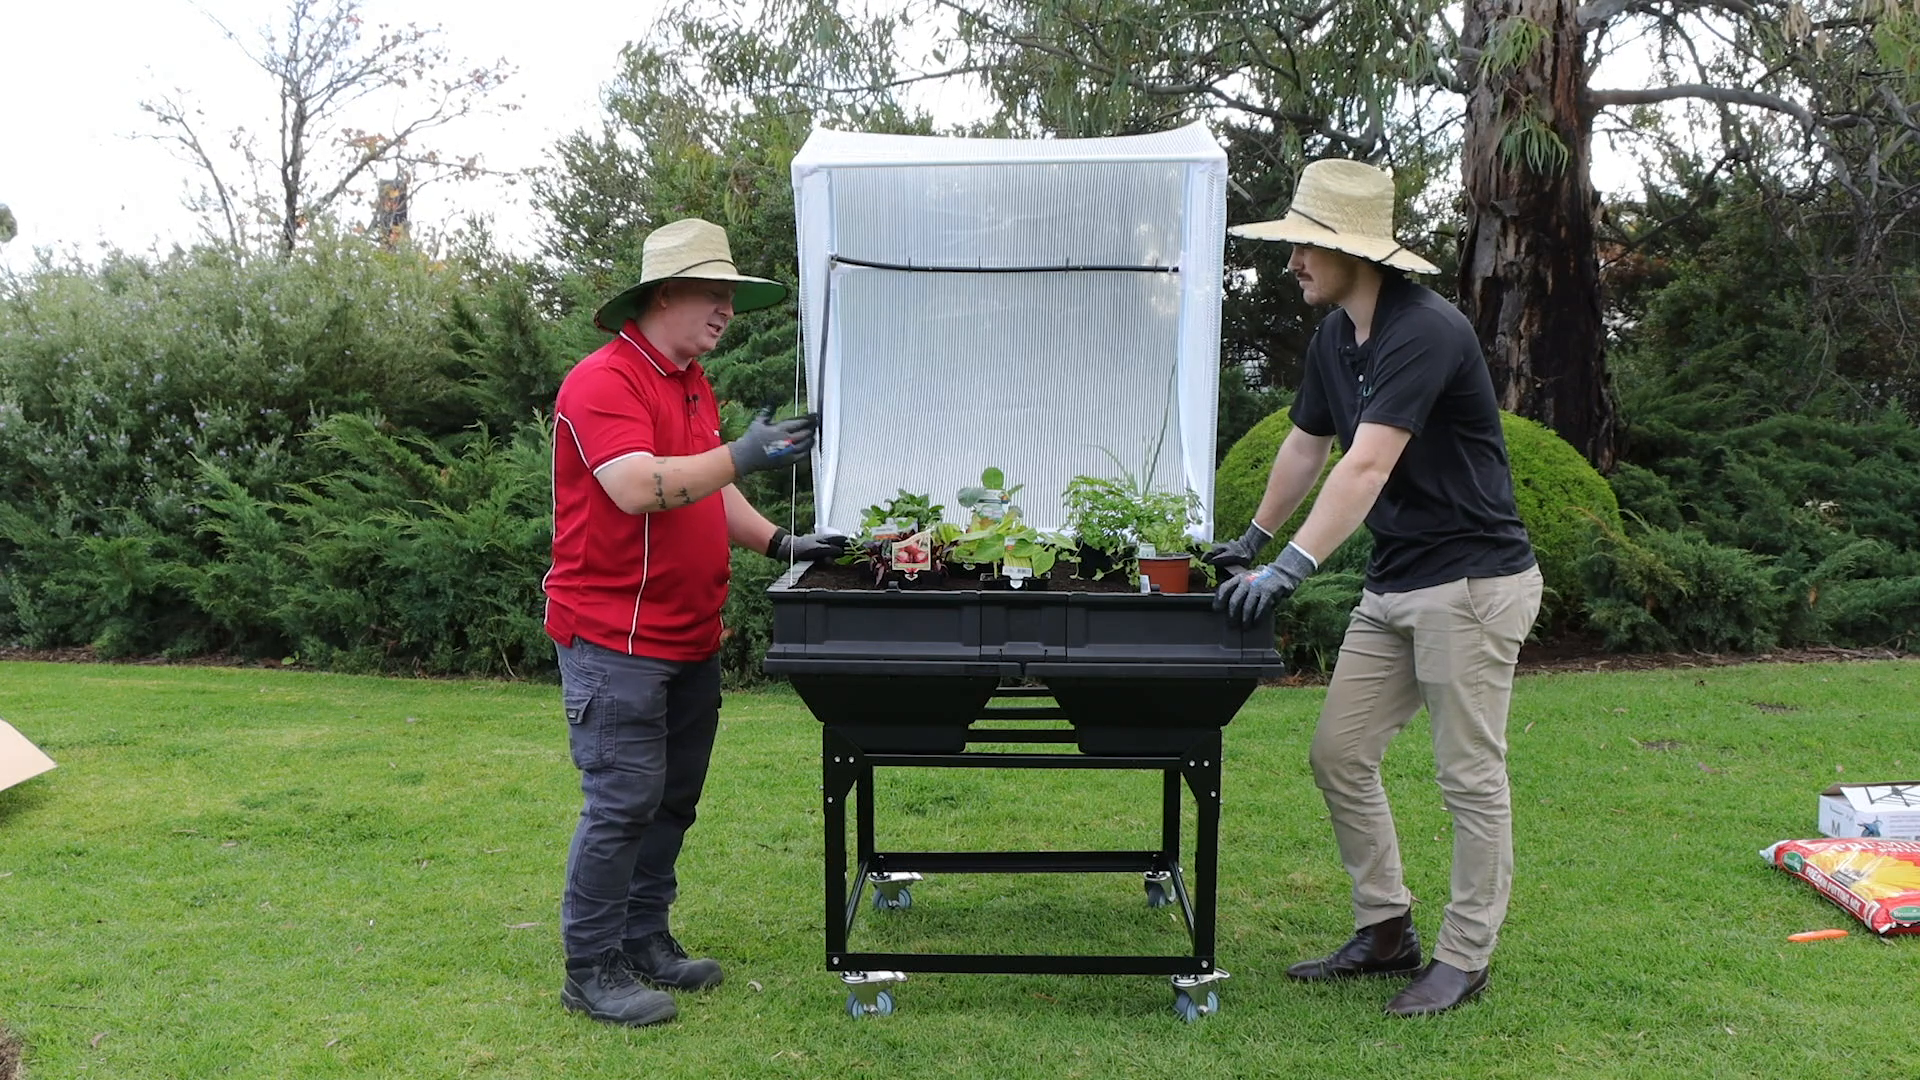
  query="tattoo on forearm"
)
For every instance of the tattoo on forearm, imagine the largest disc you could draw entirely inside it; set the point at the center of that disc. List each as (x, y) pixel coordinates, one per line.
(660, 491)
(686, 497)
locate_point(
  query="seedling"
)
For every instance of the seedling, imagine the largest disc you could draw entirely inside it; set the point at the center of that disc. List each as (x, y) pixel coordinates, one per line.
(903, 522)
(992, 500)
(920, 510)
(998, 538)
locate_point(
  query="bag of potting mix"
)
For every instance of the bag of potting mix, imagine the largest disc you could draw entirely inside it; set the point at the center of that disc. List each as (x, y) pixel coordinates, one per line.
(1877, 880)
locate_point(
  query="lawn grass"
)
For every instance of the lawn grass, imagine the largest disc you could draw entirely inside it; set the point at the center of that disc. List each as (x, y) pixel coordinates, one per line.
(246, 873)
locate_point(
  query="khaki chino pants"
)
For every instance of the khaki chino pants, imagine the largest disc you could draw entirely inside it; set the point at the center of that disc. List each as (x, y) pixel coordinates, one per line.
(1451, 648)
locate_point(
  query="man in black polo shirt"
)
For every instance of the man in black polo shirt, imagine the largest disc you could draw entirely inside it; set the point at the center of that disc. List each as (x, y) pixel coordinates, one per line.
(1398, 376)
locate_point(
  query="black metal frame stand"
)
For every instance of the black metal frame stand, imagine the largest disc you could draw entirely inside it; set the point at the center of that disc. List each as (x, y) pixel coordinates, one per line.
(847, 769)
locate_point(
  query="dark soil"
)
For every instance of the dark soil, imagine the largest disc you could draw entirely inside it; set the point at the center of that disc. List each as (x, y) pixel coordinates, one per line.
(1574, 652)
(9, 1056)
(859, 578)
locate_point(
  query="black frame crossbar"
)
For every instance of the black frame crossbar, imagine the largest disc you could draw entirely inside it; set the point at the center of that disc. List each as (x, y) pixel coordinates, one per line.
(847, 769)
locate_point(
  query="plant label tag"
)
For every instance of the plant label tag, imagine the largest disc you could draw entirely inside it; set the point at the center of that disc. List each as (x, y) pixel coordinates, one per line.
(913, 554)
(990, 512)
(1015, 567)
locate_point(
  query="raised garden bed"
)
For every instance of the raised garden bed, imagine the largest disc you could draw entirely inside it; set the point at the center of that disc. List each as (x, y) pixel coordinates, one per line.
(1129, 670)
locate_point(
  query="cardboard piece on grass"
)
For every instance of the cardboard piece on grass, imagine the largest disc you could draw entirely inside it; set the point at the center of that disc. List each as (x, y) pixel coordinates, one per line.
(19, 759)
(1889, 810)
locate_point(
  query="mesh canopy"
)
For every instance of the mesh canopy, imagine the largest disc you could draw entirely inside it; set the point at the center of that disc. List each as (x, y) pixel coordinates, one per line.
(1050, 307)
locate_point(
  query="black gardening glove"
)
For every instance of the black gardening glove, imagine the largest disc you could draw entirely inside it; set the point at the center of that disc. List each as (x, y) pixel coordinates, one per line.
(770, 443)
(1242, 552)
(791, 548)
(1249, 597)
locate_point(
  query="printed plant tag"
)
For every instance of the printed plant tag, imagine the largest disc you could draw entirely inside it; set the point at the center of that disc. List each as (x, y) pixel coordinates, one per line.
(991, 512)
(913, 554)
(1016, 566)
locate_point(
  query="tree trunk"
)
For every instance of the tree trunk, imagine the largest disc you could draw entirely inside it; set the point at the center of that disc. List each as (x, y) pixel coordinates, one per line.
(1529, 274)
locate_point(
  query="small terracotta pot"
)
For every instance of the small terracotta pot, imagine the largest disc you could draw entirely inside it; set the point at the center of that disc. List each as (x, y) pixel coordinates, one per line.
(1169, 573)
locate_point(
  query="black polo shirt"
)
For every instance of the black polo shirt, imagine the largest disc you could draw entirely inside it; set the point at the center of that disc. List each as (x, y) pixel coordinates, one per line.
(1447, 511)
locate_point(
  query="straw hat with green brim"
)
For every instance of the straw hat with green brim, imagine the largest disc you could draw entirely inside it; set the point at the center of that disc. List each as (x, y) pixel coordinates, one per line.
(1345, 206)
(688, 248)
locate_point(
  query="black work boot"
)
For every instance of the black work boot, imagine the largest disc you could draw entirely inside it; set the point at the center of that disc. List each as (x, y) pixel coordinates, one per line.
(604, 988)
(660, 961)
(1390, 947)
(1439, 988)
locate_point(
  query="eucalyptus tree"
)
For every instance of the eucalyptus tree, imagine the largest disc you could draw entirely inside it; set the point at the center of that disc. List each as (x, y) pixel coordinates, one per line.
(1824, 87)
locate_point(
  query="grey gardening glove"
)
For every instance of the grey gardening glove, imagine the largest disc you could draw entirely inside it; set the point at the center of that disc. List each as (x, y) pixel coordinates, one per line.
(1249, 597)
(770, 443)
(791, 548)
(1242, 552)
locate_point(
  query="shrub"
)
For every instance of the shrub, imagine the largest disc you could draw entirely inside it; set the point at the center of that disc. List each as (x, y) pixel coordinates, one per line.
(408, 555)
(1662, 590)
(748, 618)
(1559, 497)
(118, 382)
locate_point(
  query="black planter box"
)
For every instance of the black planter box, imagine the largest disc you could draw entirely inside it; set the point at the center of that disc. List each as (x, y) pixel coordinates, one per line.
(1129, 670)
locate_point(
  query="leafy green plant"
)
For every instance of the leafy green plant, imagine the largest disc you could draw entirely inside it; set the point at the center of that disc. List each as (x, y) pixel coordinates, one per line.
(919, 510)
(991, 496)
(1116, 515)
(883, 523)
(1009, 540)
(1164, 518)
(997, 534)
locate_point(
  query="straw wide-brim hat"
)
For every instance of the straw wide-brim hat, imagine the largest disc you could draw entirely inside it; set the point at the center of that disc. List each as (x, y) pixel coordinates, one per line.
(688, 248)
(1346, 206)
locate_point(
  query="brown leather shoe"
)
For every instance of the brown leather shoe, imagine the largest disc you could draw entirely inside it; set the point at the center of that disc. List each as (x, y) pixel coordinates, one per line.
(1439, 988)
(1391, 947)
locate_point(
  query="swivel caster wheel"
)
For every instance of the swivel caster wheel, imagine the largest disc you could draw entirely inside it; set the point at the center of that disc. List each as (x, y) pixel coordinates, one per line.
(890, 891)
(1194, 996)
(867, 993)
(1159, 888)
(882, 1005)
(1189, 1010)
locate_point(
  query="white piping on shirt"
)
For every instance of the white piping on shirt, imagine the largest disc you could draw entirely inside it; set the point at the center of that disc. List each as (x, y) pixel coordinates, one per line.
(575, 436)
(646, 554)
(553, 513)
(643, 352)
(610, 462)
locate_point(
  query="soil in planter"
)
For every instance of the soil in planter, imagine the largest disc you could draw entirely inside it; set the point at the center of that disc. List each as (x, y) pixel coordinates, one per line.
(858, 578)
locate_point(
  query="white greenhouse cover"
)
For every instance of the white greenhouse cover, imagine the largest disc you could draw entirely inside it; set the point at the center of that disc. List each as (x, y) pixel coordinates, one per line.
(1036, 305)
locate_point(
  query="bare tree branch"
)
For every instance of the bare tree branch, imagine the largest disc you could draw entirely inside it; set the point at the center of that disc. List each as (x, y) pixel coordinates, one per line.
(1600, 13)
(1699, 91)
(324, 71)
(171, 113)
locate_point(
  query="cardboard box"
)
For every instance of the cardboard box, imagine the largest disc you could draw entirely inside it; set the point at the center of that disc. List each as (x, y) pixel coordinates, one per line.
(1890, 811)
(19, 759)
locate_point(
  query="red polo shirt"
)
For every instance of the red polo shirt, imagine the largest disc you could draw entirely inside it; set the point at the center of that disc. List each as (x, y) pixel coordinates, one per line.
(642, 584)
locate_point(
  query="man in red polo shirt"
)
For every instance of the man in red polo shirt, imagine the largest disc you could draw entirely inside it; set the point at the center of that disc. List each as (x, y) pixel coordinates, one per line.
(644, 509)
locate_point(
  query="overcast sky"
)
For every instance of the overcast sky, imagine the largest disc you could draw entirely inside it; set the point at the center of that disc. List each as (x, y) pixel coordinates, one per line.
(72, 76)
